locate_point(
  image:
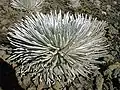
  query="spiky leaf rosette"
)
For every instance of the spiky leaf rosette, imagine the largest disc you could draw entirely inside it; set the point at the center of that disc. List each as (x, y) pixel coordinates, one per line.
(57, 47)
(27, 4)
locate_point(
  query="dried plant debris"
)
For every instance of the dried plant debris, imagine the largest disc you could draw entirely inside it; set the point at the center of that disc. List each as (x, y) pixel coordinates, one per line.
(54, 47)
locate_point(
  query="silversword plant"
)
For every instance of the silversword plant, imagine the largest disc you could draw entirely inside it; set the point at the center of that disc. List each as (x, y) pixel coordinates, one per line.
(27, 4)
(56, 47)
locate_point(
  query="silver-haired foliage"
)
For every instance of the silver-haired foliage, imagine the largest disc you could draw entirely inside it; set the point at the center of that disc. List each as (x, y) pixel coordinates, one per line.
(56, 47)
(27, 4)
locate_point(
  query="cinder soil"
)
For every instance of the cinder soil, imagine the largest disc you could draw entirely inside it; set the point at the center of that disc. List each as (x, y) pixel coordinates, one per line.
(108, 10)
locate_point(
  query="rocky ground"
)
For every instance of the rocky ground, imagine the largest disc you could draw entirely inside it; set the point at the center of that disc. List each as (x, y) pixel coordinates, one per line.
(108, 10)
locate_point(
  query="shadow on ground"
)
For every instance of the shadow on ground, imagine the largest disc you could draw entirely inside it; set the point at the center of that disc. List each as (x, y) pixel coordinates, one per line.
(8, 79)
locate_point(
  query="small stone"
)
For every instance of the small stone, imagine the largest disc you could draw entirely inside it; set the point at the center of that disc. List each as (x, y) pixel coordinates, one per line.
(71, 88)
(97, 3)
(25, 82)
(75, 3)
(57, 86)
(4, 22)
(115, 2)
(108, 7)
(40, 86)
(103, 12)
